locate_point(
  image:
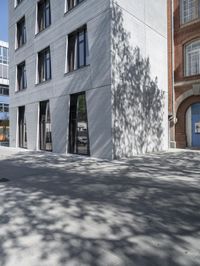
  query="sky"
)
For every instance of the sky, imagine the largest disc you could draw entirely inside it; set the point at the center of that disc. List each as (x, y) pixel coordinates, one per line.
(4, 20)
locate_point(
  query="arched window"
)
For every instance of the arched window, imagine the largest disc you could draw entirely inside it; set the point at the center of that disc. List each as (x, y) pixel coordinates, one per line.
(192, 58)
(190, 10)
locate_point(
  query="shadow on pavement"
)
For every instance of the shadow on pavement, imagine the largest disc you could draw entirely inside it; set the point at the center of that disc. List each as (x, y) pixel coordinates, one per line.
(59, 210)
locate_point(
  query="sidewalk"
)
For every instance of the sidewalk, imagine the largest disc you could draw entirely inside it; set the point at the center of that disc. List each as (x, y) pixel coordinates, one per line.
(61, 210)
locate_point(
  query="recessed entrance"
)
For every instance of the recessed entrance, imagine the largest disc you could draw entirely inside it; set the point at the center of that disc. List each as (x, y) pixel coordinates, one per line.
(193, 126)
(22, 128)
(45, 127)
(78, 125)
(184, 130)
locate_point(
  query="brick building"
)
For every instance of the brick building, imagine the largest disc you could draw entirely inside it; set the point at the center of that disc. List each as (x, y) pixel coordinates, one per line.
(184, 59)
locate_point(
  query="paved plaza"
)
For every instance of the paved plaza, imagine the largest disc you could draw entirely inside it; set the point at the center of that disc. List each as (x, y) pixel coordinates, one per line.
(58, 210)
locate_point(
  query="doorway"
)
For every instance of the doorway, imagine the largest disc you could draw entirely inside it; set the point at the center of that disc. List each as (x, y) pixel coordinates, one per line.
(45, 127)
(196, 125)
(78, 125)
(22, 128)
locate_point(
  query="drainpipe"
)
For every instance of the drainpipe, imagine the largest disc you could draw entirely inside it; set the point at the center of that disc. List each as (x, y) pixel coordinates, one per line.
(172, 118)
(173, 92)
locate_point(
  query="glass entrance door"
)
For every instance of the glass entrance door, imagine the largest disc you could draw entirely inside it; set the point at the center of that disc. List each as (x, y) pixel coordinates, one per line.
(45, 127)
(78, 125)
(22, 128)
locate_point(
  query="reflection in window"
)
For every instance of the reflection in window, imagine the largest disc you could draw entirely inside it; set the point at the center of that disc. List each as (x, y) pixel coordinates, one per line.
(72, 3)
(22, 128)
(17, 2)
(4, 108)
(44, 65)
(3, 62)
(21, 76)
(192, 58)
(21, 32)
(190, 10)
(78, 125)
(3, 55)
(77, 49)
(4, 90)
(44, 15)
(45, 127)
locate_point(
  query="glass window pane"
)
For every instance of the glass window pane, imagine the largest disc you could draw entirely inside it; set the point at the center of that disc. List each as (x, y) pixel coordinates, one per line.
(71, 52)
(189, 10)
(192, 58)
(45, 127)
(78, 128)
(81, 54)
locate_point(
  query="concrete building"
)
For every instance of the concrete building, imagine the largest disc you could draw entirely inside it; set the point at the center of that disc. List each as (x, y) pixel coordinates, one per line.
(185, 95)
(89, 77)
(4, 94)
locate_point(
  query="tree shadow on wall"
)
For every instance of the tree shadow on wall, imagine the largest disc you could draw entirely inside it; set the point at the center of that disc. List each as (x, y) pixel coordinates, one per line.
(137, 101)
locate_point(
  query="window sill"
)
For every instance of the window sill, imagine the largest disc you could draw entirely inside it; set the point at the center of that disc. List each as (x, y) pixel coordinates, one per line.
(191, 76)
(184, 25)
(42, 82)
(40, 32)
(73, 8)
(76, 70)
(20, 47)
(19, 91)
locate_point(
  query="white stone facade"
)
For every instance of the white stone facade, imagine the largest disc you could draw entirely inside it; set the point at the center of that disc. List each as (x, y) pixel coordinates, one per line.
(125, 81)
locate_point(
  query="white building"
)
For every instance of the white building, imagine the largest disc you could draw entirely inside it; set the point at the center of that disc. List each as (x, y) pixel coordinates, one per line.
(102, 64)
(4, 94)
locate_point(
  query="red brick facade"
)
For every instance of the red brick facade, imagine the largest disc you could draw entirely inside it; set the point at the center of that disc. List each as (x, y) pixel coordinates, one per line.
(183, 86)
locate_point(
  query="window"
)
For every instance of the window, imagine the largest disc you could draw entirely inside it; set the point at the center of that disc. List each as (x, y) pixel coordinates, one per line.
(3, 55)
(4, 91)
(77, 50)
(78, 125)
(190, 10)
(44, 15)
(21, 76)
(17, 2)
(22, 127)
(45, 127)
(44, 65)
(4, 108)
(72, 3)
(192, 58)
(3, 62)
(21, 32)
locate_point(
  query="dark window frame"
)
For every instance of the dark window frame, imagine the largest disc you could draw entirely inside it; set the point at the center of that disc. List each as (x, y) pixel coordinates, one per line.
(21, 76)
(21, 32)
(22, 127)
(75, 138)
(43, 15)
(4, 108)
(71, 4)
(4, 90)
(17, 2)
(71, 52)
(45, 136)
(4, 55)
(44, 65)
